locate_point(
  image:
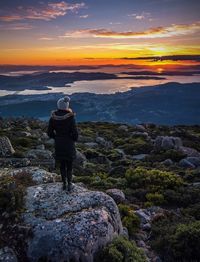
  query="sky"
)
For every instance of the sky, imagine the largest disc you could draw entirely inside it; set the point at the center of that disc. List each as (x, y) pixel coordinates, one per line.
(97, 31)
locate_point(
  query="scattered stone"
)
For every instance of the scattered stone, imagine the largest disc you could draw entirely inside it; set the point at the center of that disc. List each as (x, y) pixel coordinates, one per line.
(117, 195)
(167, 142)
(167, 162)
(186, 163)
(6, 148)
(140, 156)
(140, 134)
(41, 157)
(40, 147)
(14, 162)
(123, 128)
(91, 144)
(7, 255)
(101, 141)
(69, 226)
(190, 152)
(85, 139)
(140, 128)
(39, 154)
(80, 159)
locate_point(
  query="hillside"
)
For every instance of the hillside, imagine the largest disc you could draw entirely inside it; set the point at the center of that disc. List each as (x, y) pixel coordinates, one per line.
(168, 104)
(151, 172)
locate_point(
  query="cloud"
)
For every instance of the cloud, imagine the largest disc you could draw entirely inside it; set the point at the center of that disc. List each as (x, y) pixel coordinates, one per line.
(141, 16)
(84, 16)
(46, 38)
(115, 23)
(173, 30)
(170, 57)
(43, 12)
(16, 26)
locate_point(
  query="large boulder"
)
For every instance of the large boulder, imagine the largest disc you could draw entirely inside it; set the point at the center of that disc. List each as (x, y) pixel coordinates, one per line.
(6, 148)
(69, 227)
(167, 142)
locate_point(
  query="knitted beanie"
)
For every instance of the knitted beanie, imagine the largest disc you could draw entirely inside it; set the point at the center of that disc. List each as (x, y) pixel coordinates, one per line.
(63, 103)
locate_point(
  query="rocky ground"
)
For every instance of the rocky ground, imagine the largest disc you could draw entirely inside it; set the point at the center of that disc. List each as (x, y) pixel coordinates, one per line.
(135, 195)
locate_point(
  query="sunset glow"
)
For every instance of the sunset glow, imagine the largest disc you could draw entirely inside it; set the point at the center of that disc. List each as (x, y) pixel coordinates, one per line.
(98, 32)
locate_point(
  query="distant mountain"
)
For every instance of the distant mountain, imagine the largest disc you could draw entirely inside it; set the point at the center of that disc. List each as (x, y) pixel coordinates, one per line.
(41, 81)
(170, 104)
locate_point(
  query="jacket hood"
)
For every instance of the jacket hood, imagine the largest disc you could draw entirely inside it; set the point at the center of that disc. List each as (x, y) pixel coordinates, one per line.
(61, 115)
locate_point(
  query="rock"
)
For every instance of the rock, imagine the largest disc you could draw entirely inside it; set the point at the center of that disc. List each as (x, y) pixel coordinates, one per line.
(167, 162)
(91, 144)
(39, 176)
(123, 128)
(194, 160)
(85, 139)
(23, 134)
(80, 159)
(139, 157)
(40, 147)
(140, 134)
(185, 163)
(7, 255)
(41, 157)
(167, 142)
(143, 215)
(121, 152)
(116, 194)
(50, 142)
(39, 154)
(101, 141)
(146, 227)
(125, 232)
(140, 128)
(190, 152)
(14, 162)
(6, 148)
(69, 227)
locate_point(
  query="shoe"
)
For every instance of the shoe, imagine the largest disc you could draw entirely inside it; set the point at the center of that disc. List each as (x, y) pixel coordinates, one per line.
(69, 187)
(64, 186)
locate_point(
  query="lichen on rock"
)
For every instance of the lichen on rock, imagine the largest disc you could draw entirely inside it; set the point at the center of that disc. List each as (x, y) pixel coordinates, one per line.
(69, 226)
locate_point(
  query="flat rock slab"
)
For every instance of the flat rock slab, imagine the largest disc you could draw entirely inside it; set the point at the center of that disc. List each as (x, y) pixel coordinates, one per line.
(69, 225)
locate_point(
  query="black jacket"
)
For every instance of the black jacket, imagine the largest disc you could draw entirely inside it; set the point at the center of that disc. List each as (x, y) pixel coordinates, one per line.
(62, 128)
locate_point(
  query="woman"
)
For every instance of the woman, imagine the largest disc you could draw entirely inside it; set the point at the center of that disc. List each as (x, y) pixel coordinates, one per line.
(62, 128)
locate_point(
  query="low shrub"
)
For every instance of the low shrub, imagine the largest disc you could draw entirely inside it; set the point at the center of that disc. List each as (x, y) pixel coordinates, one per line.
(176, 239)
(121, 249)
(129, 219)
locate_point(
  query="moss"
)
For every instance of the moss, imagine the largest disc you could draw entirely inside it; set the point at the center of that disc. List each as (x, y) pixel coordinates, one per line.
(121, 249)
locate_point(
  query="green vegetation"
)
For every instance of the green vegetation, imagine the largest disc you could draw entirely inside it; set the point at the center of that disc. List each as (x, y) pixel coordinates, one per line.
(176, 239)
(121, 249)
(129, 219)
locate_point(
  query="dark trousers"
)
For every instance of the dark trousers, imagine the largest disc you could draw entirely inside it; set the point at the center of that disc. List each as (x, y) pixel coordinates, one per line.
(66, 170)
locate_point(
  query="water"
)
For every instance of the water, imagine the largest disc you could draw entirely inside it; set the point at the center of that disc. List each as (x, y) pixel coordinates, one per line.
(104, 86)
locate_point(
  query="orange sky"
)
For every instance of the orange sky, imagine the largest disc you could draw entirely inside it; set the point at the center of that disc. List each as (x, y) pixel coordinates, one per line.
(63, 33)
